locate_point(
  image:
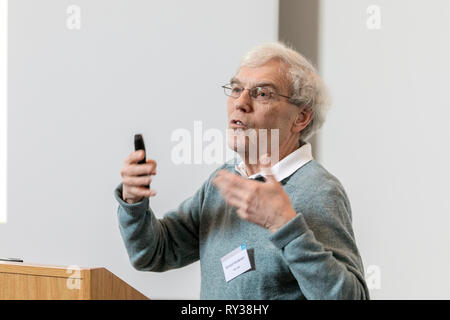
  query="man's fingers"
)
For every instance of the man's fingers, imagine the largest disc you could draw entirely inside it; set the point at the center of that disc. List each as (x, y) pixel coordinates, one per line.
(228, 180)
(137, 181)
(135, 157)
(236, 201)
(236, 192)
(233, 199)
(136, 177)
(142, 192)
(150, 161)
(140, 169)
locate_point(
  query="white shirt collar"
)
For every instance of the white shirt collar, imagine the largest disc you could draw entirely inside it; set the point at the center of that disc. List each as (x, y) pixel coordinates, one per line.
(284, 168)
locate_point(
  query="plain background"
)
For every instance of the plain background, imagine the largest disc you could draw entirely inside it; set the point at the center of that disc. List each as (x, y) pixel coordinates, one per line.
(387, 138)
(76, 97)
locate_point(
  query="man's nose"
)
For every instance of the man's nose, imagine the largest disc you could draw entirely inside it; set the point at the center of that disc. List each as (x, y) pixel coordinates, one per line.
(244, 102)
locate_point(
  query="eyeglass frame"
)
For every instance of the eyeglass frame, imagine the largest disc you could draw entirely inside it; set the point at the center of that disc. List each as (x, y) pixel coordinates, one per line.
(228, 86)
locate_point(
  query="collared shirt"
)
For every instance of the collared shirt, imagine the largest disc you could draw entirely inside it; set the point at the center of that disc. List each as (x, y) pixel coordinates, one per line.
(284, 168)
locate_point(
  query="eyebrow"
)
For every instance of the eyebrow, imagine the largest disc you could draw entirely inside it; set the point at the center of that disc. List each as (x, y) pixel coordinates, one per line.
(234, 80)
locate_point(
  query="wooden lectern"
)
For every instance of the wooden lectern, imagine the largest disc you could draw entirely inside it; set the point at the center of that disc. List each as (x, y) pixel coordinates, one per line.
(22, 281)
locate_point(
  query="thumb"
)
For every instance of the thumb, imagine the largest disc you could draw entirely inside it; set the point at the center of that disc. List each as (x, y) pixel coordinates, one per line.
(265, 163)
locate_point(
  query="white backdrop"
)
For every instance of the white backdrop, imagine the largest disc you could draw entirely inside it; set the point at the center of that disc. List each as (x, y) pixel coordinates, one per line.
(387, 135)
(77, 96)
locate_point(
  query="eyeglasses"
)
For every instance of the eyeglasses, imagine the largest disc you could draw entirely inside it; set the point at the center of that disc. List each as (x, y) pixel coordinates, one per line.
(260, 94)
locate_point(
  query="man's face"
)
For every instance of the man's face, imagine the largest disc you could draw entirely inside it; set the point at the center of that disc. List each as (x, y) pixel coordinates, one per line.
(277, 113)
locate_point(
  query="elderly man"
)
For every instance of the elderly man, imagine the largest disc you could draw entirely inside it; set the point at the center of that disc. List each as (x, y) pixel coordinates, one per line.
(261, 229)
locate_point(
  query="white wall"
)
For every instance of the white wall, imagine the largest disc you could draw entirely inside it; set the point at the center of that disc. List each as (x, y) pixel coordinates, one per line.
(76, 97)
(3, 106)
(387, 136)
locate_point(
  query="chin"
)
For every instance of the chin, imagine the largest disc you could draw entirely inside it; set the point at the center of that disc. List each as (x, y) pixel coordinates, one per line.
(235, 144)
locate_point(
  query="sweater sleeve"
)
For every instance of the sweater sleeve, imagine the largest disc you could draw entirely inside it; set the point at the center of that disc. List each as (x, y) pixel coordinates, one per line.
(160, 244)
(320, 250)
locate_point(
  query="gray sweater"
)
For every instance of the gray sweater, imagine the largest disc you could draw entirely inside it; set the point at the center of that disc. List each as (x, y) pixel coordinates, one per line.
(313, 256)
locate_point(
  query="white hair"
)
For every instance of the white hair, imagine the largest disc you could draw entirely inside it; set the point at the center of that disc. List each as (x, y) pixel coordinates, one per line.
(306, 86)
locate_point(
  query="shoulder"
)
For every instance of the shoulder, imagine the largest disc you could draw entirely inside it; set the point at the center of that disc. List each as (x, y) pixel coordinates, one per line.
(316, 178)
(315, 185)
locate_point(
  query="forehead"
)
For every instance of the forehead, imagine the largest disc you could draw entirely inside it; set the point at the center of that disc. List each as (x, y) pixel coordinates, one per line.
(272, 72)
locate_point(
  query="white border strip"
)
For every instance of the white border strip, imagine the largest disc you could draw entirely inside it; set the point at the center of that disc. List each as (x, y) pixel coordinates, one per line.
(3, 106)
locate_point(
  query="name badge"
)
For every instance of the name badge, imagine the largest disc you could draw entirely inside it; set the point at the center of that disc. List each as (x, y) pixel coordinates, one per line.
(235, 263)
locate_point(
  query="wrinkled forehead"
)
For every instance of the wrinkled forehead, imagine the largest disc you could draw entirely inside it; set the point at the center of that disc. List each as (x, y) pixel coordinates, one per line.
(272, 73)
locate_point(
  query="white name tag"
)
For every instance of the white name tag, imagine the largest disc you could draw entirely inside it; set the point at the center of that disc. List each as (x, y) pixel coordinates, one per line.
(235, 263)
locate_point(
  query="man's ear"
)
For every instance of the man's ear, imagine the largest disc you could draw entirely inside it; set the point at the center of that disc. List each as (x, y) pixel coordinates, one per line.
(303, 118)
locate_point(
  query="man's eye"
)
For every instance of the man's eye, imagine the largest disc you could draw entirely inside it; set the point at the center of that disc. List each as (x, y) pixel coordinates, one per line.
(262, 92)
(236, 90)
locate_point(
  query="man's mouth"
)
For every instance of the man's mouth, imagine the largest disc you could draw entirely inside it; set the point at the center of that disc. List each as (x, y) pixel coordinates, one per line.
(237, 124)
